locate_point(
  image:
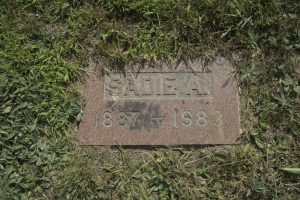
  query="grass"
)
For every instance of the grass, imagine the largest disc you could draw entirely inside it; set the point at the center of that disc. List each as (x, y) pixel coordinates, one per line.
(45, 47)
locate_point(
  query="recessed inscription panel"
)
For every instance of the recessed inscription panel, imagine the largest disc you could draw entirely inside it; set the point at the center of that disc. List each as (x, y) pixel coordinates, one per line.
(167, 107)
(162, 85)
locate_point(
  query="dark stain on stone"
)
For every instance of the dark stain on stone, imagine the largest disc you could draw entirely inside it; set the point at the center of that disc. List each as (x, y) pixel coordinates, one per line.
(109, 104)
(143, 115)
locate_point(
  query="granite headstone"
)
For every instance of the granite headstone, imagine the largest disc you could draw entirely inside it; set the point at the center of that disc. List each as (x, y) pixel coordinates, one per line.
(173, 104)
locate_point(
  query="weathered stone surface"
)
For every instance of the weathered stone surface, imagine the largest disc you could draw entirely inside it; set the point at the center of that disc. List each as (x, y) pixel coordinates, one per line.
(176, 104)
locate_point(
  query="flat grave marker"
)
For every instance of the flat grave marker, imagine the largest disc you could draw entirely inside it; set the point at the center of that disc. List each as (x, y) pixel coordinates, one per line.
(175, 104)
